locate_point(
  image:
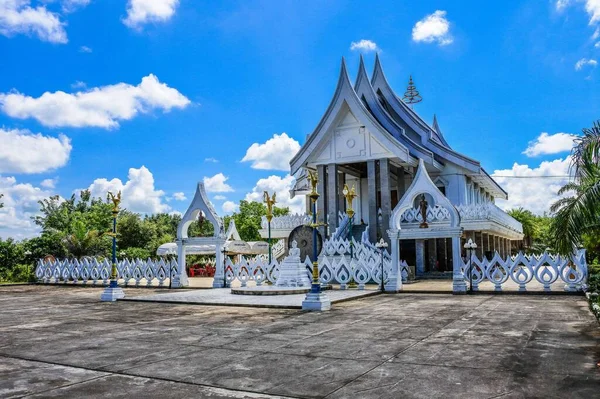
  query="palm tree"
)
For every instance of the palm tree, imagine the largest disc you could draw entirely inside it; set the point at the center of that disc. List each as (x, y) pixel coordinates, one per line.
(527, 220)
(580, 212)
(83, 242)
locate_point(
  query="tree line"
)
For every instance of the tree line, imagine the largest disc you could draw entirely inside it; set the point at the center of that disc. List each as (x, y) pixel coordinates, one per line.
(77, 227)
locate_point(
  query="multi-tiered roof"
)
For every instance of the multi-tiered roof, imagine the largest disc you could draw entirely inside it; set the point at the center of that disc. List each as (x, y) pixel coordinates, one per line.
(394, 128)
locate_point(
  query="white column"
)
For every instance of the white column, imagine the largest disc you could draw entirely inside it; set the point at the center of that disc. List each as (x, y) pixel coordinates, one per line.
(386, 200)
(372, 196)
(394, 283)
(219, 280)
(181, 279)
(459, 286)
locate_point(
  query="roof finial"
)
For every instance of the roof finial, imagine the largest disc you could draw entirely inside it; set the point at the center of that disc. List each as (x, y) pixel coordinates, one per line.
(411, 96)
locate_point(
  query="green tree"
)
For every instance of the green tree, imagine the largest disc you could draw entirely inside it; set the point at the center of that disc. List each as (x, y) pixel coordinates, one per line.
(84, 242)
(248, 219)
(527, 220)
(133, 232)
(580, 212)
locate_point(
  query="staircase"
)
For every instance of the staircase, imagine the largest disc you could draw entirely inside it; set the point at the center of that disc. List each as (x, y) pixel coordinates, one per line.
(357, 231)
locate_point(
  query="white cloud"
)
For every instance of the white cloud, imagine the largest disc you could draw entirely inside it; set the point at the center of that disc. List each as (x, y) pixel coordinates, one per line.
(49, 183)
(25, 152)
(550, 144)
(529, 192)
(433, 28)
(364, 45)
(18, 17)
(219, 197)
(140, 12)
(179, 196)
(274, 154)
(282, 187)
(229, 207)
(73, 5)
(85, 49)
(562, 4)
(138, 193)
(583, 62)
(99, 107)
(216, 184)
(78, 85)
(20, 204)
(212, 160)
(593, 9)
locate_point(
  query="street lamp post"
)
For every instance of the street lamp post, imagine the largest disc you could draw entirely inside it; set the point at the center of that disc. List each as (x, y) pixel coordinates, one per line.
(381, 245)
(315, 299)
(470, 246)
(269, 201)
(113, 291)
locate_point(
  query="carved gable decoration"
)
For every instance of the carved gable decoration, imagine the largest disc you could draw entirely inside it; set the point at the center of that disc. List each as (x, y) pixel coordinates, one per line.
(422, 184)
(200, 203)
(232, 233)
(350, 141)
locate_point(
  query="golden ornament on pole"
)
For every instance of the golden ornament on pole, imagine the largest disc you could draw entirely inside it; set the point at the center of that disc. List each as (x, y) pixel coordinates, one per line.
(269, 202)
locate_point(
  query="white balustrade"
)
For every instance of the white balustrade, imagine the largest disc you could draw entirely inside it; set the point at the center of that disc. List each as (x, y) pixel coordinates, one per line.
(286, 222)
(473, 212)
(129, 272)
(527, 270)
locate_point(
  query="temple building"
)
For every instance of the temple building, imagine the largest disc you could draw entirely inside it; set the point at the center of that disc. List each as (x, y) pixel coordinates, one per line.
(372, 140)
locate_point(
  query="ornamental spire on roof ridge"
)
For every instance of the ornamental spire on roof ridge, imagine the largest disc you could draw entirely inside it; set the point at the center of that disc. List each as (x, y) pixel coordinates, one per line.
(436, 126)
(411, 96)
(362, 73)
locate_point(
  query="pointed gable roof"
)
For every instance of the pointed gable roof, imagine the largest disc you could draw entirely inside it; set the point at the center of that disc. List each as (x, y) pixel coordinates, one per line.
(436, 128)
(200, 203)
(430, 137)
(345, 95)
(365, 91)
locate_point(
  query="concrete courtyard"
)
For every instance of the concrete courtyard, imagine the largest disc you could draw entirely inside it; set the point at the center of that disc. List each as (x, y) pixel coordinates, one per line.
(62, 342)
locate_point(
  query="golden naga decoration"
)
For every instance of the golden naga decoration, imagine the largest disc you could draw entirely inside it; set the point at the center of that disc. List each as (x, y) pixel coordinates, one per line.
(116, 200)
(314, 180)
(423, 209)
(350, 195)
(269, 201)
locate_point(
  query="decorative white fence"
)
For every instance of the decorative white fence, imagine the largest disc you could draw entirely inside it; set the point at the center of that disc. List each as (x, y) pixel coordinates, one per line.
(335, 266)
(91, 271)
(526, 270)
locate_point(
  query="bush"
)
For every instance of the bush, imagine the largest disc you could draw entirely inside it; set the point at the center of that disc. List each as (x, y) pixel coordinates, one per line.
(594, 269)
(18, 274)
(134, 253)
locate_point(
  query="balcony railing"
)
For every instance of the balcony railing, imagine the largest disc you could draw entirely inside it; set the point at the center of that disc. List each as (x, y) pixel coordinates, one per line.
(474, 212)
(287, 222)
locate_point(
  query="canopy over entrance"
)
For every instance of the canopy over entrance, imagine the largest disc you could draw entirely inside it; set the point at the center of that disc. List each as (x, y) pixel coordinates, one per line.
(423, 187)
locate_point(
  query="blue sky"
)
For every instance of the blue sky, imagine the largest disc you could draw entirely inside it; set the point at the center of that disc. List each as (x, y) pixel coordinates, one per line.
(184, 88)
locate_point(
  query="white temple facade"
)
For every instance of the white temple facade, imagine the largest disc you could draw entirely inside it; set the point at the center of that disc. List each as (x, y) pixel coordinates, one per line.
(368, 138)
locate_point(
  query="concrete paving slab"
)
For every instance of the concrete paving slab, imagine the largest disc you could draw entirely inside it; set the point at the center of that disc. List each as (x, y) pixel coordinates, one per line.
(23, 377)
(224, 297)
(138, 387)
(405, 345)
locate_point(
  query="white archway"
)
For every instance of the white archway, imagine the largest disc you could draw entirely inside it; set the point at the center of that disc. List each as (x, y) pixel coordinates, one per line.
(200, 203)
(422, 184)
